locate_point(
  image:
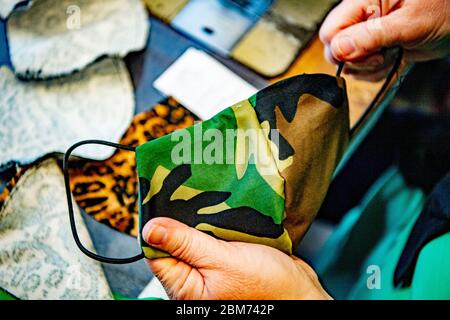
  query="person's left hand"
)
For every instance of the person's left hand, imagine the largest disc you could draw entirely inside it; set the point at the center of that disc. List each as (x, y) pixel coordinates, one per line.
(203, 267)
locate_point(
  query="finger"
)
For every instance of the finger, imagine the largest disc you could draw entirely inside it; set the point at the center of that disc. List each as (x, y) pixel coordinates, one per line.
(328, 56)
(374, 62)
(365, 38)
(342, 16)
(350, 12)
(185, 243)
(178, 278)
(371, 76)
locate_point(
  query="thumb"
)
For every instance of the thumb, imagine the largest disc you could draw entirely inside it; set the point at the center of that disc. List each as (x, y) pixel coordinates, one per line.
(360, 40)
(184, 243)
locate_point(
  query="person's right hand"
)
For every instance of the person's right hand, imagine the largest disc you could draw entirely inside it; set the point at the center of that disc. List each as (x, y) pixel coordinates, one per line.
(356, 31)
(203, 267)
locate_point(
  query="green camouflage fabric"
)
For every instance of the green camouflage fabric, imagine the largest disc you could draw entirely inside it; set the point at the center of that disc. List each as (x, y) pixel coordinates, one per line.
(256, 172)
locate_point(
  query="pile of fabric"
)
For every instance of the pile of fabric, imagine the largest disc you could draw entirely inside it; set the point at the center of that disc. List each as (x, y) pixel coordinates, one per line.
(67, 81)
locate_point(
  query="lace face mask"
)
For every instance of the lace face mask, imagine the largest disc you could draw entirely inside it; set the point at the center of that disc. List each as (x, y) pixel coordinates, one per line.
(49, 39)
(256, 172)
(39, 260)
(72, 112)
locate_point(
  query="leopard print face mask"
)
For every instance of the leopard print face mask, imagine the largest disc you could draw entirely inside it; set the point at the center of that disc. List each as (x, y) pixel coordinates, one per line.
(256, 172)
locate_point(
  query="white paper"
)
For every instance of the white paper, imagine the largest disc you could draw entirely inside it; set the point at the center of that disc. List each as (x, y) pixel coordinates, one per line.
(154, 290)
(202, 84)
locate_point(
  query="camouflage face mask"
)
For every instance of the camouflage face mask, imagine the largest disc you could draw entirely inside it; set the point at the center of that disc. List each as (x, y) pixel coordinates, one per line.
(256, 172)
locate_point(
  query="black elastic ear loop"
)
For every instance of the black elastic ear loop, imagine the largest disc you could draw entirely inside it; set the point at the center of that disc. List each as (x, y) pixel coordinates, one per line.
(69, 203)
(384, 87)
(340, 68)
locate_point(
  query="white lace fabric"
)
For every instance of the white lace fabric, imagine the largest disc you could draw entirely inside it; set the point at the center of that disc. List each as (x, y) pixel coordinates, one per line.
(53, 38)
(39, 118)
(38, 256)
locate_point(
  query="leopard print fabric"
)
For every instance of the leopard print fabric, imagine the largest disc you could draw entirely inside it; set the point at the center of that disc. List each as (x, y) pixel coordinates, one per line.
(107, 190)
(10, 182)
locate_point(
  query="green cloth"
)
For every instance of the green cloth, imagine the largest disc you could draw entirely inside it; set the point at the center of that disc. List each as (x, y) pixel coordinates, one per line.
(121, 297)
(374, 234)
(5, 295)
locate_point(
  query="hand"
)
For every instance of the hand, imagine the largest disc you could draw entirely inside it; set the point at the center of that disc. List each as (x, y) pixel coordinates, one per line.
(356, 32)
(203, 267)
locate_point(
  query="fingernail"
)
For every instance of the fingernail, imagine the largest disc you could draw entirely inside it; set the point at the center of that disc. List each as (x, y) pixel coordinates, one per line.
(153, 234)
(345, 46)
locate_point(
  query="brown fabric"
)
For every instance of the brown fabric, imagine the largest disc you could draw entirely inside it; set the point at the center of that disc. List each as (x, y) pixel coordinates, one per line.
(316, 125)
(11, 183)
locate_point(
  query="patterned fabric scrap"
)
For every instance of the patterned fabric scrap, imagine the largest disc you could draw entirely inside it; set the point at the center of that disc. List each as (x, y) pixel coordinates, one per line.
(54, 38)
(274, 42)
(38, 256)
(165, 10)
(38, 118)
(9, 184)
(272, 187)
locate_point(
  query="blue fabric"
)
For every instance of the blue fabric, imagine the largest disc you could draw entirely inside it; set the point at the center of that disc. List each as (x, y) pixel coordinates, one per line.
(373, 233)
(4, 52)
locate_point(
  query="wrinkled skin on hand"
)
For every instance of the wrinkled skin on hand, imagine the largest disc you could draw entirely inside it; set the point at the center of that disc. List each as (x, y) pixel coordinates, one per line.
(357, 31)
(203, 267)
